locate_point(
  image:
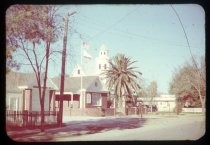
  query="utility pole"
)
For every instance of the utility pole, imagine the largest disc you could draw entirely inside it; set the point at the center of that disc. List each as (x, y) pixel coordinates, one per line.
(63, 67)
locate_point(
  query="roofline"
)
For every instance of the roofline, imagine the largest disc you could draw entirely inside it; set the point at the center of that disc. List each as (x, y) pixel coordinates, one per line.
(98, 91)
(58, 93)
(13, 91)
(23, 87)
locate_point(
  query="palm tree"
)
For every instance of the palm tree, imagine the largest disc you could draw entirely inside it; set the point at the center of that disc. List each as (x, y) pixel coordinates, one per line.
(122, 78)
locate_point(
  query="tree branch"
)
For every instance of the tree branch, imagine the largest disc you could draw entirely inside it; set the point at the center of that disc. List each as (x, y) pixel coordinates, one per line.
(27, 55)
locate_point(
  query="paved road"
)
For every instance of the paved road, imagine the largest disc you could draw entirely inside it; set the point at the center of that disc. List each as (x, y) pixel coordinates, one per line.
(151, 127)
(188, 127)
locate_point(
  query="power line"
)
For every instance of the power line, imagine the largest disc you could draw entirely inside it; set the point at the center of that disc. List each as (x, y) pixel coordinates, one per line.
(126, 33)
(109, 27)
(185, 35)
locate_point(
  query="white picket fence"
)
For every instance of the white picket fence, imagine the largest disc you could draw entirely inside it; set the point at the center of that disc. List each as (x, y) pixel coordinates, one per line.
(192, 110)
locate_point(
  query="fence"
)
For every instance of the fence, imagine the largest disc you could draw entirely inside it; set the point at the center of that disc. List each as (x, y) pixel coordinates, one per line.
(29, 119)
(192, 110)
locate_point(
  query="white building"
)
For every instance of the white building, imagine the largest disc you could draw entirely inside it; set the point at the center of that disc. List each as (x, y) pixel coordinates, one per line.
(87, 76)
(102, 61)
(164, 103)
(94, 66)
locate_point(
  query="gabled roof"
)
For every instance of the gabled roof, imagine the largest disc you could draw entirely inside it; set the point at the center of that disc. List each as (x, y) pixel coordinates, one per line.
(89, 83)
(49, 84)
(15, 80)
(87, 68)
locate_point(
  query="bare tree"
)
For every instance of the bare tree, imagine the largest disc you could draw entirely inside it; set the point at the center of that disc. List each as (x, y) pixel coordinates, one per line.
(190, 80)
(30, 30)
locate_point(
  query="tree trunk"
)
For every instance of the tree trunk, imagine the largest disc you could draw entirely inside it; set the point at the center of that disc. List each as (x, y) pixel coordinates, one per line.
(202, 103)
(204, 106)
(44, 88)
(178, 106)
(141, 108)
(201, 99)
(126, 110)
(115, 106)
(42, 117)
(42, 110)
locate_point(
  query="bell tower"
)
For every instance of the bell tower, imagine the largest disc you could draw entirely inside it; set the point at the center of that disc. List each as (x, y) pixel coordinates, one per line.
(102, 61)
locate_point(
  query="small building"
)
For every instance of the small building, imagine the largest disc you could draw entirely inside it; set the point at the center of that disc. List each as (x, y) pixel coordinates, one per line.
(90, 102)
(22, 93)
(164, 103)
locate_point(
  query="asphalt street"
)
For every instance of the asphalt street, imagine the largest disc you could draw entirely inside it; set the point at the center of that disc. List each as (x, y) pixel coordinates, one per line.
(151, 127)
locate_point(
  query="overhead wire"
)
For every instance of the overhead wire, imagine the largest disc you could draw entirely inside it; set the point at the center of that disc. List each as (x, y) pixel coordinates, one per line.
(126, 33)
(114, 24)
(194, 62)
(184, 34)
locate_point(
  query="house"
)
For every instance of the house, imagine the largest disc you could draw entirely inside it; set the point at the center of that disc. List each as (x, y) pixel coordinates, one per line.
(189, 101)
(22, 92)
(90, 101)
(164, 103)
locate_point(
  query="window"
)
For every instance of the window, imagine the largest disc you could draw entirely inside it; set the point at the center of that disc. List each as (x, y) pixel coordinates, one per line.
(27, 99)
(99, 66)
(88, 98)
(104, 66)
(78, 71)
(13, 103)
(96, 84)
(96, 99)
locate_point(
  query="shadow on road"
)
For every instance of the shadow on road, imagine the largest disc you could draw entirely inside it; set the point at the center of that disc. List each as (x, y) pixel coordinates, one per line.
(95, 126)
(77, 128)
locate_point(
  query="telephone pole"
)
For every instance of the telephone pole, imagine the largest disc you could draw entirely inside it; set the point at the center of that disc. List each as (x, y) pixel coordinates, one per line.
(63, 67)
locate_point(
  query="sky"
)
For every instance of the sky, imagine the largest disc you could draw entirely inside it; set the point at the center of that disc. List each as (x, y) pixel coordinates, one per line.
(149, 34)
